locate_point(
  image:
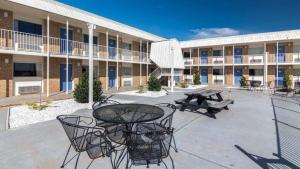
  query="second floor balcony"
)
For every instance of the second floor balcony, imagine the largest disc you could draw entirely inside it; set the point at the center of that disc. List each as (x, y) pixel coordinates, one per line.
(238, 59)
(25, 42)
(217, 60)
(204, 60)
(256, 58)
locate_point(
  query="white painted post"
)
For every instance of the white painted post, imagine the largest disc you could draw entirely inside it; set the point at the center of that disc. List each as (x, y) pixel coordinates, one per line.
(266, 69)
(67, 59)
(107, 56)
(223, 53)
(48, 54)
(277, 64)
(147, 61)
(141, 62)
(190, 61)
(117, 62)
(172, 69)
(233, 65)
(198, 60)
(91, 28)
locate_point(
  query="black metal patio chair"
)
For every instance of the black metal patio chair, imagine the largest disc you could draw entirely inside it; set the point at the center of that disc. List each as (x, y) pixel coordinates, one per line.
(164, 122)
(77, 128)
(146, 147)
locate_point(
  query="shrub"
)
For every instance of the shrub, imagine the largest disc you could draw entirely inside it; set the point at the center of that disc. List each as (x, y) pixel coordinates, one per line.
(81, 92)
(154, 84)
(287, 81)
(243, 81)
(141, 89)
(184, 84)
(36, 106)
(197, 78)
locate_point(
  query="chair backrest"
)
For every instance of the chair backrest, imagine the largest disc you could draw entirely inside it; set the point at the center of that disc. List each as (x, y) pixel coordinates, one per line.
(150, 146)
(104, 102)
(76, 129)
(169, 110)
(97, 145)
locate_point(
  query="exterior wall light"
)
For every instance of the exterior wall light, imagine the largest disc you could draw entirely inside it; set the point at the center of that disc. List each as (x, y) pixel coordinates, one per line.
(5, 14)
(6, 60)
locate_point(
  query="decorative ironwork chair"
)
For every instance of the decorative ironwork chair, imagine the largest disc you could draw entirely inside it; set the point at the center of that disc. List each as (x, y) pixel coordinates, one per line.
(77, 128)
(164, 122)
(147, 147)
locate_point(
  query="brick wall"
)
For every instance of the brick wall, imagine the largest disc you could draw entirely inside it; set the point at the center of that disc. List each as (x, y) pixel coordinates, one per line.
(6, 23)
(228, 54)
(228, 75)
(271, 75)
(245, 71)
(210, 74)
(210, 55)
(136, 75)
(195, 56)
(6, 75)
(102, 74)
(135, 47)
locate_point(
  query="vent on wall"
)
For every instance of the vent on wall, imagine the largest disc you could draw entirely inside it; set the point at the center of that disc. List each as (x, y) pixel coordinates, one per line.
(127, 82)
(29, 90)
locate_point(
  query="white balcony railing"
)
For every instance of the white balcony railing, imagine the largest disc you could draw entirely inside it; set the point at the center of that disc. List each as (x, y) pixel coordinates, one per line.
(296, 57)
(189, 77)
(258, 78)
(217, 60)
(188, 61)
(20, 41)
(218, 79)
(256, 59)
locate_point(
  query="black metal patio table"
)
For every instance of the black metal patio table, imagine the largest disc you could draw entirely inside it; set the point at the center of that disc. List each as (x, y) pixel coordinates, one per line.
(126, 115)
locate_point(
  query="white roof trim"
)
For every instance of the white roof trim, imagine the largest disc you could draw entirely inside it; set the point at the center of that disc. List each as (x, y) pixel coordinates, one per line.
(163, 56)
(240, 39)
(78, 14)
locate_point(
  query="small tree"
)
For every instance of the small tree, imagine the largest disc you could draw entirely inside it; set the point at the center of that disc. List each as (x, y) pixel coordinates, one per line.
(154, 84)
(81, 92)
(243, 81)
(197, 78)
(287, 81)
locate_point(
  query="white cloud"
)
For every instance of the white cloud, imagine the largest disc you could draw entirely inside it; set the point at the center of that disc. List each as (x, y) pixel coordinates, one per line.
(213, 32)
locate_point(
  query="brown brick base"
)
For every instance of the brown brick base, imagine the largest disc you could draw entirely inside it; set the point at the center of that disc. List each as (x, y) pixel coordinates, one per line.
(6, 75)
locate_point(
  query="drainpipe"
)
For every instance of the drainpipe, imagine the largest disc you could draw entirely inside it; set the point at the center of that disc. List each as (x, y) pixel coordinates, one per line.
(107, 56)
(117, 62)
(67, 59)
(223, 53)
(277, 64)
(233, 65)
(172, 69)
(48, 53)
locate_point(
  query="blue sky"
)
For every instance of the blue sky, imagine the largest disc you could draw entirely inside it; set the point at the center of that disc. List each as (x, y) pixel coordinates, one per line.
(192, 19)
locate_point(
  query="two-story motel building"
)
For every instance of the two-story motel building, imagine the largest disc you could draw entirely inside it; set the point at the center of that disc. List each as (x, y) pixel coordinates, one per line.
(39, 38)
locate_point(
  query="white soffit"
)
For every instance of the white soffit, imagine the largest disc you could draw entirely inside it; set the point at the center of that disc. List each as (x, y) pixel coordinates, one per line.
(162, 55)
(78, 14)
(240, 39)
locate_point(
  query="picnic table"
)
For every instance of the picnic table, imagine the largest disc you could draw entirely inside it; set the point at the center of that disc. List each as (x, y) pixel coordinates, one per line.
(202, 97)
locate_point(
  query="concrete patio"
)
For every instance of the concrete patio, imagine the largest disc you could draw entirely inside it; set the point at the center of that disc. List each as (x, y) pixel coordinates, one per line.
(203, 142)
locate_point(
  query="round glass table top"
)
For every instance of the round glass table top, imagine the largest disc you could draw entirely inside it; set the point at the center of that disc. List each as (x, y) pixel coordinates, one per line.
(128, 113)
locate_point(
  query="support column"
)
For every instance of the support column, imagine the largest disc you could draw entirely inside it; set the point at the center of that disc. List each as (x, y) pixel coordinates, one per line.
(67, 59)
(198, 60)
(277, 44)
(223, 53)
(190, 61)
(48, 54)
(141, 62)
(147, 61)
(172, 70)
(117, 62)
(107, 56)
(232, 64)
(91, 66)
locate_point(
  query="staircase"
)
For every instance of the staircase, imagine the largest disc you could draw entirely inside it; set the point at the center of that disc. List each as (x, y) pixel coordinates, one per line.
(156, 73)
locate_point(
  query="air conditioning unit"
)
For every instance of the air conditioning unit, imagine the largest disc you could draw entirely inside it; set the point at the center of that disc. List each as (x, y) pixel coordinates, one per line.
(127, 83)
(29, 89)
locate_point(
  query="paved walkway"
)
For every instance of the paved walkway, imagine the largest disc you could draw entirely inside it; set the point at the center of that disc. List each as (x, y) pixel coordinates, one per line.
(204, 143)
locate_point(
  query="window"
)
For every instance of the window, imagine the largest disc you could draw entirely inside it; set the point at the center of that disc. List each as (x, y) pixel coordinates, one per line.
(256, 72)
(296, 72)
(296, 49)
(86, 69)
(186, 71)
(27, 70)
(127, 71)
(218, 72)
(126, 46)
(186, 54)
(27, 27)
(86, 39)
(256, 51)
(217, 53)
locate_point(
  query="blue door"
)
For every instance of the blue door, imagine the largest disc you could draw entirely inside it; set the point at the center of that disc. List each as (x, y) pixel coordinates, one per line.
(177, 78)
(281, 54)
(238, 73)
(280, 77)
(111, 76)
(63, 41)
(238, 55)
(204, 76)
(112, 48)
(64, 84)
(204, 57)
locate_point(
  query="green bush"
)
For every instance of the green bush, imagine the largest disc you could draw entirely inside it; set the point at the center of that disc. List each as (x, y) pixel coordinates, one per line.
(154, 84)
(184, 84)
(243, 81)
(141, 89)
(81, 92)
(197, 78)
(287, 81)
